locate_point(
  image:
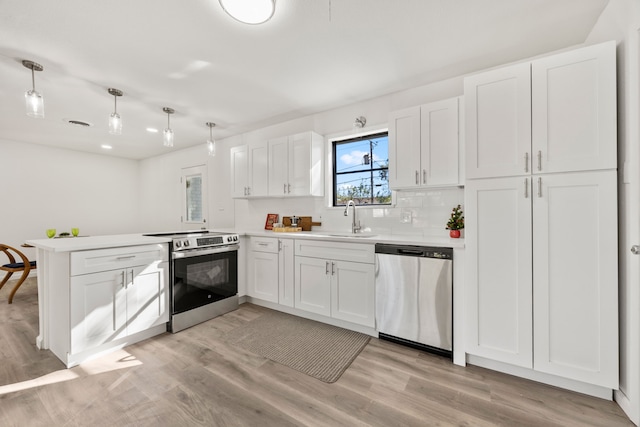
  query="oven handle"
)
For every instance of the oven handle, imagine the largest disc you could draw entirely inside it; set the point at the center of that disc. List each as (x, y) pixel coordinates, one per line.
(194, 253)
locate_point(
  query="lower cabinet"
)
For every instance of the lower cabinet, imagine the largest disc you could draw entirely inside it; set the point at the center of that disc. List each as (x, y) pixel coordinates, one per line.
(542, 273)
(115, 304)
(340, 289)
(270, 270)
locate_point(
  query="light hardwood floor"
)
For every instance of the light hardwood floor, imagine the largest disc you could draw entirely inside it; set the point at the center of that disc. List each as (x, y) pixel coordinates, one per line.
(195, 378)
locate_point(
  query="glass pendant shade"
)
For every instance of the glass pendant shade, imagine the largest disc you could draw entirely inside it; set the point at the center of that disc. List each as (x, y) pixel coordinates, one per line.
(167, 138)
(34, 104)
(33, 98)
(249, 11)
(115, 124)
(211, 148)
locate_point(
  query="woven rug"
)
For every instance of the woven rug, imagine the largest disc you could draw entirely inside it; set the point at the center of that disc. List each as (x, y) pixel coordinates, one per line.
(316, 349)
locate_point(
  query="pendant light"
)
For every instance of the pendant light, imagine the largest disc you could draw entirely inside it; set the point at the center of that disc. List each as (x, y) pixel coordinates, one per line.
(249, 11)
(167, 137)
(211, 143)
(115, 123)
(34, 100)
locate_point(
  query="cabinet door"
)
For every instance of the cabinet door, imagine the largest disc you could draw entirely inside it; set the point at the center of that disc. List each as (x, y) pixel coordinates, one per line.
(439, 137)
(263, 276)
(498, 122)
(300, 164)
(98, 309)
(286, 271)
(239, 171)
(498, 242)
(258, 171)
(313, 285)
(576, 277)
(353, 292)
(574, 110)
(278, 166)
(404, 148)
(147, 297)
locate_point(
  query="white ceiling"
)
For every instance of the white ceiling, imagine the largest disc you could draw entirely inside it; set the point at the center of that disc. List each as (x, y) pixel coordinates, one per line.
(314, 55)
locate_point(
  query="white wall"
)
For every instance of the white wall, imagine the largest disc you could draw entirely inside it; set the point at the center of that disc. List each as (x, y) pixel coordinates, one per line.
(621, 21)
(45, 187)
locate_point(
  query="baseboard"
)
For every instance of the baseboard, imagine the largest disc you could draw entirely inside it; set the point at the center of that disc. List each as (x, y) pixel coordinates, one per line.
(577, 386)
(623, 401)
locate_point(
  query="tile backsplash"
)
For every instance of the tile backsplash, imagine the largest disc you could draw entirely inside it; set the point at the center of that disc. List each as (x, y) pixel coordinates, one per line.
(423, 212)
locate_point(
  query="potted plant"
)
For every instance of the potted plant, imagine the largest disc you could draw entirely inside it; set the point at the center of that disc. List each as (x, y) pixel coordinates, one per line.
(456, 222)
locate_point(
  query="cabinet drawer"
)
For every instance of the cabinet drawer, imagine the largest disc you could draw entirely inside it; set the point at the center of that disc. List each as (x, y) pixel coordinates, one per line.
(264, 244)
(93, 261)
(356, 252)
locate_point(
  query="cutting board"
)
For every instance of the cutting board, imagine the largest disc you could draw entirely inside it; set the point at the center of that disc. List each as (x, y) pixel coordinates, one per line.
(305, 222)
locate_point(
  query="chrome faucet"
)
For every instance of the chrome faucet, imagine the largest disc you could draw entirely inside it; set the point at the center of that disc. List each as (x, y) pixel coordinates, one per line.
(355, 226)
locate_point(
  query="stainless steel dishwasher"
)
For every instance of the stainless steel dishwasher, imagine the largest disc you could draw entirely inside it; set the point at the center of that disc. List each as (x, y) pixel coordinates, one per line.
(414, 296)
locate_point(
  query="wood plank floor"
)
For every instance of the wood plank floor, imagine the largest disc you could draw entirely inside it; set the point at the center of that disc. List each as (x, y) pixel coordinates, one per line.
(195, 378)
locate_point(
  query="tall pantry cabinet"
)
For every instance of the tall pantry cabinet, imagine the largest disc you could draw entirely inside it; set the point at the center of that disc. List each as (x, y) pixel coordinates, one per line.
(541, 213)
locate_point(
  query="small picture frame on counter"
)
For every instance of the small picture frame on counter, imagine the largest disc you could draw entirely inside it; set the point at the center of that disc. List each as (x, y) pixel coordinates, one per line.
(271, 219)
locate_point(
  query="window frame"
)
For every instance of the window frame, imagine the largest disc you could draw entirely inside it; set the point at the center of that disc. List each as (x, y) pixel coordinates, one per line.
(333, 144)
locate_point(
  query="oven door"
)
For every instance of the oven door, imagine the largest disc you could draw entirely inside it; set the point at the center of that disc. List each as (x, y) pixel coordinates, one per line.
(203, 276)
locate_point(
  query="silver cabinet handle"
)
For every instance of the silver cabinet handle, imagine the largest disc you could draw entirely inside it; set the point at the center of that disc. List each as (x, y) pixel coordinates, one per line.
(284, 188)
(279, 245)
(333, 268)
(539, 160)
(539, 187)
(326, 267)
(132, 277)
(526, 188)
(248, 191)
(424, 176)
(526, 162)
(417, 178)
(288, 188)
(124, 280)
(263, 244)
(245, 191)
(635, 249)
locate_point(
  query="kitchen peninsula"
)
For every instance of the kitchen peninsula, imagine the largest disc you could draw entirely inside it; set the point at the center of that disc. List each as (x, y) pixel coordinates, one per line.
(97, 294)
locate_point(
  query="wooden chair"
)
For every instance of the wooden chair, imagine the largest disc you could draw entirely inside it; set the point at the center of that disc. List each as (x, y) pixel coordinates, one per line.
(14, 267)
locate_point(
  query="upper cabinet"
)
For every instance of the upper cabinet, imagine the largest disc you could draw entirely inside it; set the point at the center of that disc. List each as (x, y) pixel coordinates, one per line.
(555, 114)
(295, 165)
(282, 167)
(424, 145)
(249, 170)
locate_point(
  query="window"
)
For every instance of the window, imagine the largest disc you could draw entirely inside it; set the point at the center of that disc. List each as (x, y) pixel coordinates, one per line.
(360, 170)
(194, 195)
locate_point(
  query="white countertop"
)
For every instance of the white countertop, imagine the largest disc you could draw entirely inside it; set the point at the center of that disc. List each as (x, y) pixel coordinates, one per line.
(70, 244)
(337, 236)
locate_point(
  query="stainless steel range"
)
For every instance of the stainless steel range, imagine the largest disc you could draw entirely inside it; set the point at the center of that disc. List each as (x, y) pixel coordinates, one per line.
(204, 276)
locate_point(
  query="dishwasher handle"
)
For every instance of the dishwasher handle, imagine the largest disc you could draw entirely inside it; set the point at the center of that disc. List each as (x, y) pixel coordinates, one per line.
(414, 252)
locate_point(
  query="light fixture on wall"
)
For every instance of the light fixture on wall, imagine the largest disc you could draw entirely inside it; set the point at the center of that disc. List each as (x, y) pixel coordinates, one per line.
(167, 136)
(211, 143)
(115, 122)
(359, 122)
(249, 11)
(34, 100)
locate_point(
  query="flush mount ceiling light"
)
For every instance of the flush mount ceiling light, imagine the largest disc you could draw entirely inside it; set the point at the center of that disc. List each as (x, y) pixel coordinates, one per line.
(359, 122)
(211, 143)
(167, 137)
(115, 123)
(34, 100)
(249, 11)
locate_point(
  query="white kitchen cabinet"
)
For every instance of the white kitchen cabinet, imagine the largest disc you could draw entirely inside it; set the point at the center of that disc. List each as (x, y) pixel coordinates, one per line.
(424, 145)
(575, 276)
(295, 165)
(554, 114)
(249, 172)
(271, 270)
(336, 280)
(543, 254)
(498, 245)
(115, 304)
